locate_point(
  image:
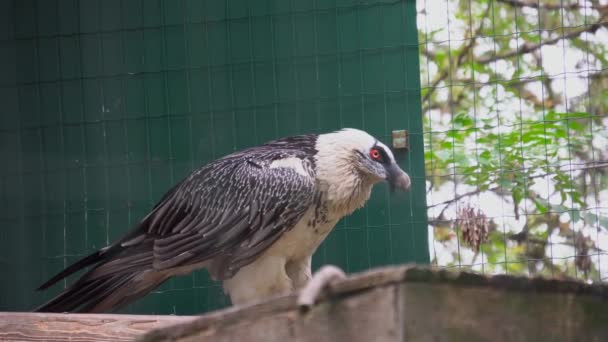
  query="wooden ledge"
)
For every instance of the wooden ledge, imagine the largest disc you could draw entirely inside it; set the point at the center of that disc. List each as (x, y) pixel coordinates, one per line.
(390, 303)
(215, 326)
(33, 326)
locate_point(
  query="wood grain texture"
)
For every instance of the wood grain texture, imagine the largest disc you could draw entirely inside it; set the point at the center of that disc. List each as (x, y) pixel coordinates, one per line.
(80, 327)
(415, 304)
(388, 304)
(366, 316)
(441, 312)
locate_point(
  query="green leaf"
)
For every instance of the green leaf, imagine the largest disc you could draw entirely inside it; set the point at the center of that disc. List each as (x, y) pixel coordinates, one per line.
(590, 218)
(446, 144)
(505, 183)
(517, 195)
(604, 222)
(541, 205)
(575, 216)
(485, 158)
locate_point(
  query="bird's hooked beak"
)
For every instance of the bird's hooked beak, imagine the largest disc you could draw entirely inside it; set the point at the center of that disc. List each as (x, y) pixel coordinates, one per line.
(397, 178)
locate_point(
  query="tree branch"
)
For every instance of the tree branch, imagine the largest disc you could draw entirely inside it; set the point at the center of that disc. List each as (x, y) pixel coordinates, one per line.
(591, 165)
(537, 241)
(602, 73)
(461, 54)
(539, 5)
(527, 47)
(523, 49)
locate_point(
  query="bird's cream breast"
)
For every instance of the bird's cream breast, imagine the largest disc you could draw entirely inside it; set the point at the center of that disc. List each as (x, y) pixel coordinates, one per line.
(303, 239)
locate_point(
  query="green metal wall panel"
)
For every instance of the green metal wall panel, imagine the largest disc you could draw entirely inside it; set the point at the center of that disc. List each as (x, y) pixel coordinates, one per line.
(106, 104)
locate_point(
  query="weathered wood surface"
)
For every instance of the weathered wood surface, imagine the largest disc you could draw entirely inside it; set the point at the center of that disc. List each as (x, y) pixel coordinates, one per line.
(413, 304)
(330, 320)
(389, 304)
(80, 327)
(441, 312)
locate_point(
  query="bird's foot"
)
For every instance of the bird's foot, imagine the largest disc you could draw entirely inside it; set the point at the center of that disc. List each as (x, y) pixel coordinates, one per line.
(323, 278)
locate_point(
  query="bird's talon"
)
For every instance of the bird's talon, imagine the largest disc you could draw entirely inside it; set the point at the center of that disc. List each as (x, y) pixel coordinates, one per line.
(319, 281)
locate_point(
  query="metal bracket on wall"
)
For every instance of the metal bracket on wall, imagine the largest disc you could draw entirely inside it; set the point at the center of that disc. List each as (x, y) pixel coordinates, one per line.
(400, 141)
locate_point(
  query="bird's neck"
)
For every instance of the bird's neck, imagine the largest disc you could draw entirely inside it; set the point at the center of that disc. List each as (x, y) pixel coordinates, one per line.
(344, 189)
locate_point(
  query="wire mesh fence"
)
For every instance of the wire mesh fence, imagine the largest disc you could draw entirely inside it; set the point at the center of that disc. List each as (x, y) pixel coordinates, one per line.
(515, 104)
(106, 104)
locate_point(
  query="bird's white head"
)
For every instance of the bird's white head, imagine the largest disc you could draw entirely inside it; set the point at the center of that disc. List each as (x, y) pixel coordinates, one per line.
(350, 161)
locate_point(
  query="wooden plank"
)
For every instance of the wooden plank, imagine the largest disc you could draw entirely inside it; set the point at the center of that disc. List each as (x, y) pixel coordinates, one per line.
(355, 283)
(407, 303)
(94, 327)
(80, 327)
(357, 317)
(442, 312)
(390, 304)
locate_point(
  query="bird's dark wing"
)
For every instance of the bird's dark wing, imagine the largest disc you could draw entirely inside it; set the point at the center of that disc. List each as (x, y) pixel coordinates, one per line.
(230, 211)
(224, 214)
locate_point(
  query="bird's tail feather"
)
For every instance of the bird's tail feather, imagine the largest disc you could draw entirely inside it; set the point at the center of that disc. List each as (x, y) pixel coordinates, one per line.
(106, 293)
(75, 267)
(111, 284)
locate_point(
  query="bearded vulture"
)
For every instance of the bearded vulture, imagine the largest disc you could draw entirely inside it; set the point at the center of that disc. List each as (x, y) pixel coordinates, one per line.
(253, 219)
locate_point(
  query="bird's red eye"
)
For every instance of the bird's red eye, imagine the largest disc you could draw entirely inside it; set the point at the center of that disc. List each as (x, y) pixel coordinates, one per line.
(374, 153)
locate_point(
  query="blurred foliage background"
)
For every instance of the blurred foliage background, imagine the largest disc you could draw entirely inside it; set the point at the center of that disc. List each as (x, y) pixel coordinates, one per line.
(515, 103)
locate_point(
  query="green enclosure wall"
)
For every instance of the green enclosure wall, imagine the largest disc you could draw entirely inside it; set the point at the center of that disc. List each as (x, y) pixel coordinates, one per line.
(104, 104)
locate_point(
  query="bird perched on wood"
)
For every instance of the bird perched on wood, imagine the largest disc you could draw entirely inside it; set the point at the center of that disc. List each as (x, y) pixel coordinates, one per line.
(253, 219)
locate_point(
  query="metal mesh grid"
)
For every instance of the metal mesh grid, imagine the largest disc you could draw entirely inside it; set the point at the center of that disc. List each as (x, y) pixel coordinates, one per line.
(516, 133)
(106, 104)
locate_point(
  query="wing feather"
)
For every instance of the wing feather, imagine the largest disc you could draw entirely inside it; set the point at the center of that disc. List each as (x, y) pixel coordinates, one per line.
(236, 210)
(227, 213)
